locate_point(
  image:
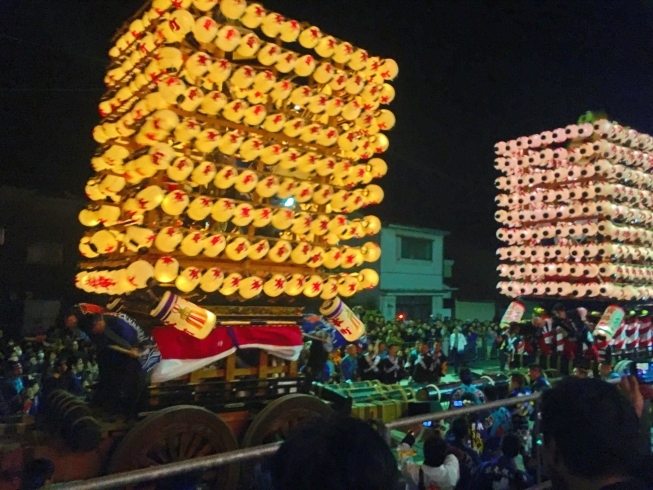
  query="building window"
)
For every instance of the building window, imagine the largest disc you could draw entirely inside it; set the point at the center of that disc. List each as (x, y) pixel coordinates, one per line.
(416, 248)
(45, 253)
(414, 307)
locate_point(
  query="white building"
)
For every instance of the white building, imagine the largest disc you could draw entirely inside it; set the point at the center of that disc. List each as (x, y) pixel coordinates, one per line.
(412, 270)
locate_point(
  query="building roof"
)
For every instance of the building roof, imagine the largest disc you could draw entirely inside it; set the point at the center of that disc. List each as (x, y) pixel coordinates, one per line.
(418, 229)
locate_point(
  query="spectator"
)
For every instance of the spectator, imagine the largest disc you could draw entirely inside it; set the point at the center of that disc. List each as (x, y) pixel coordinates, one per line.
(497, 424)
(440, 360)
(381, 350)
(502, 473)
(440, 470)
(507, 349)
(468, 458)
(592, 437)
(37, 474)
(490, 340)
(423, 371)
(521, 413)
(334, 454)
(473, 395)
(538, 381)
(349, 365)
(605, 368)
(457, 343)
(12, 387)
(390, 366)
(414, 354)
(368, 364)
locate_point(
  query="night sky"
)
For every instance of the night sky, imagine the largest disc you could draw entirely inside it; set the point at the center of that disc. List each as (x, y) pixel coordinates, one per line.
(471, 73)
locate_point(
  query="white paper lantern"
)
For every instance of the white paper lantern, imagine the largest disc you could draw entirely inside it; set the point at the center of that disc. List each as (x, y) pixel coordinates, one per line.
(166, 269)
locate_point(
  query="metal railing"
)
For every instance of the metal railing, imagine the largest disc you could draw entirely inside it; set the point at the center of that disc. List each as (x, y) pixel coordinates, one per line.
(259, 452)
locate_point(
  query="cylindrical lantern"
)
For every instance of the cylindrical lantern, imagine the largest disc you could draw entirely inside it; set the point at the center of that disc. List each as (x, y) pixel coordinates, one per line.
(343, 319)
(330, 288)
(214, 245)
(368, 279)
(347, 285)
(609, 322)
(280, 251)
(237, 249)
(294, 285)
(184, 315)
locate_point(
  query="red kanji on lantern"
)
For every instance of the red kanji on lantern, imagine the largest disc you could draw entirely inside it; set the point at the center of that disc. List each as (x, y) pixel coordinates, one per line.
(167, 260)
(279, 283)
(215, 240)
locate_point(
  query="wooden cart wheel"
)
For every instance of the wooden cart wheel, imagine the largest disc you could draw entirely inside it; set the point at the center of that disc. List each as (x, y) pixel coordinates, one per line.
(277, 419)
(177, 434)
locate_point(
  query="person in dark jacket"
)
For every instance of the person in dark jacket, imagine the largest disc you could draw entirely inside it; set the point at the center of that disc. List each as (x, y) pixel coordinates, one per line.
(424, 366)
(538, 381)
(502, 473)
(390, 367)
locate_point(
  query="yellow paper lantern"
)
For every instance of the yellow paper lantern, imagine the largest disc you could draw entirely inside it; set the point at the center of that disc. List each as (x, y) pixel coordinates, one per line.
(139, 273)
(262, 217)
(166, 269)
(304, 192)
(188, 279)
(225, 178)
(150, 197)
(243, 214)
(329, 288)
(237, 249)
(137, 238)
(168, 239)
(332, 258)
(104, 242)
(373, 194)
(233, 9)
(294, 285)
(192, 244)
(351, 257)
(267, 187)
(175, 203)
(367, 279)
(280, 251)
(282, 219)
(316, 258)
(253, 16)
(223, 210)
(319, 226)
(322, 194)
(301, 223)
(203, 174)
(86, 250)
(275, 286)
(205, 29)
(214, 245)
(371, 225)
(347, 285)
(250, 287)
(313, 286)
(199, 208)
(211, 280)
(230, 284)
(246, 181)
(371, 252)
(259, 250)
(301, 253)
(88, 218)
(180, 169)
(287, 188)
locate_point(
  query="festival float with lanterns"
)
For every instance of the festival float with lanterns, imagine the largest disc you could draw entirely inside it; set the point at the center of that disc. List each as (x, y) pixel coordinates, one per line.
(576, 215)
(238, 153)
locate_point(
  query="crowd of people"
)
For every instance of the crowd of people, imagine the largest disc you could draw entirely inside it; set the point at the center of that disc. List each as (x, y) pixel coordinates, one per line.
(592, 439)
(34, 366)
(394, 350)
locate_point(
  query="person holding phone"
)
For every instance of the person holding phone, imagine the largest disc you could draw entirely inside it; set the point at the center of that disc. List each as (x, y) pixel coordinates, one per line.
(457, 344)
